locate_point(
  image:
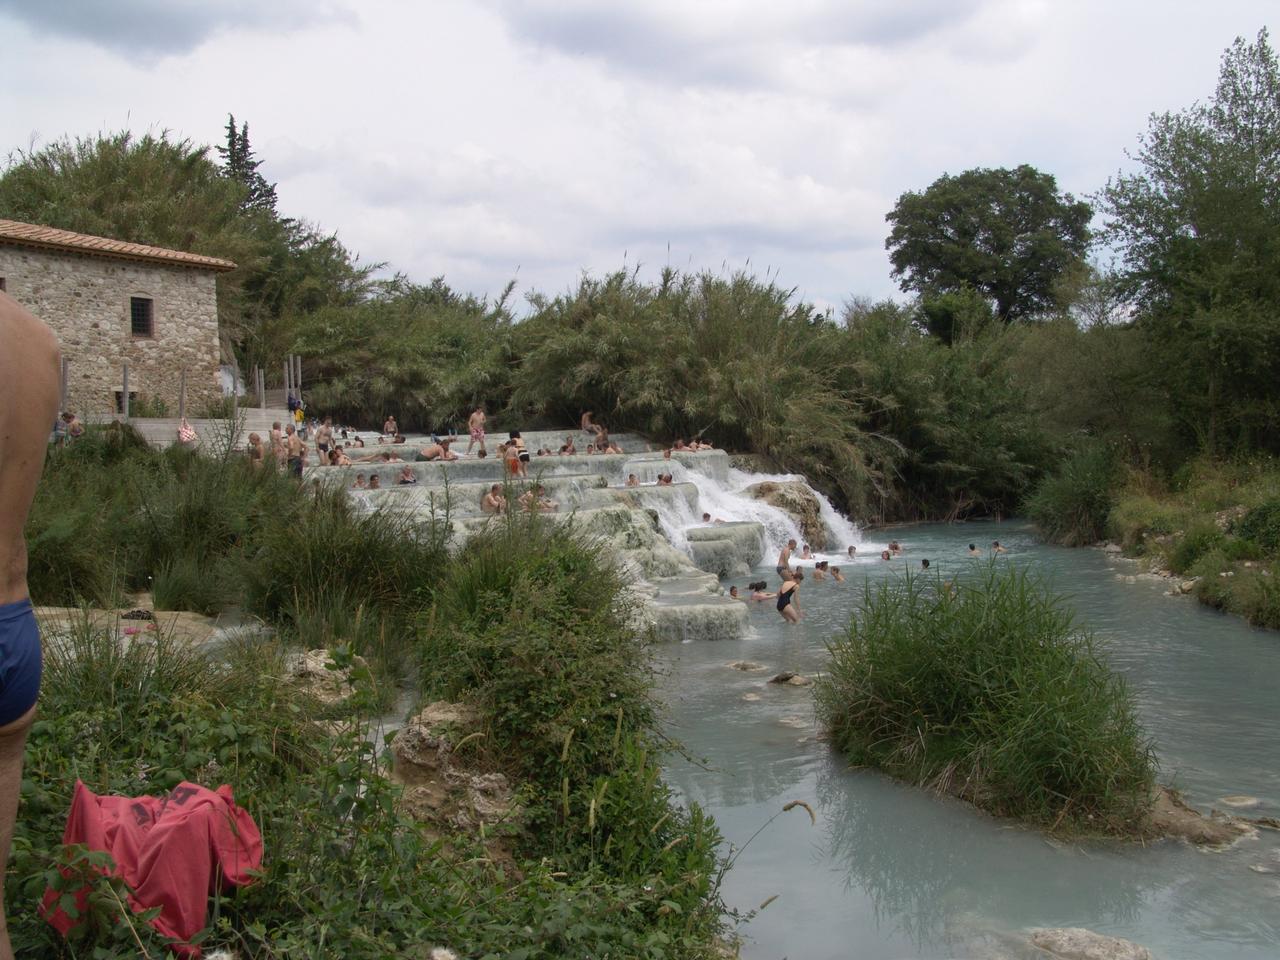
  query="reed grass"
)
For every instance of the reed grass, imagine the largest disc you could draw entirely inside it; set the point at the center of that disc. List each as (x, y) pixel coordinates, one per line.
(988, 690)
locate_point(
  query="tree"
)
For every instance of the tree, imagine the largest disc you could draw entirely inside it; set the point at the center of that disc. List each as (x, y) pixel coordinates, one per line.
(240, 165)
(1198, 230)
(1007, 234)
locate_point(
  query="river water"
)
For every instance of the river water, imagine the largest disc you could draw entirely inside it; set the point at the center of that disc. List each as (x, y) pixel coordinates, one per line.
(890, 872)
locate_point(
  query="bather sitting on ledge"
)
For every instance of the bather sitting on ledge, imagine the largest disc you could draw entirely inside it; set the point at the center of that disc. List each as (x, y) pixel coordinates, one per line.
(493, 501)
(535, 498)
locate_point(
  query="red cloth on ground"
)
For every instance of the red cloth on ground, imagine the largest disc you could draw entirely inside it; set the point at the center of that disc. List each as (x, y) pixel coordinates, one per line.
(172, 851)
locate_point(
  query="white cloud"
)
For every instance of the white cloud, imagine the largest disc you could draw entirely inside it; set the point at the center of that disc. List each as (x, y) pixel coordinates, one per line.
(472, 140)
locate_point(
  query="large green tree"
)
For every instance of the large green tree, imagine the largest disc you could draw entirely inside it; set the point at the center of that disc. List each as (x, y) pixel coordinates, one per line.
(1198, 229)
(1009, 235)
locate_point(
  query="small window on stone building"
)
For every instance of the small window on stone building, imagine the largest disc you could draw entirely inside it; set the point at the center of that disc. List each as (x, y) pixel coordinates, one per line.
(142, 316)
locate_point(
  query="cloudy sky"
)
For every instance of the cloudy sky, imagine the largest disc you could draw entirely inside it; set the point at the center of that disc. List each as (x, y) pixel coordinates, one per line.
(493, 139)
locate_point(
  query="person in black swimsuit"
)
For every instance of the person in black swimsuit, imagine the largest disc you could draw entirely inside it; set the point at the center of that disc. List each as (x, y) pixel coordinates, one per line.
(788, 604)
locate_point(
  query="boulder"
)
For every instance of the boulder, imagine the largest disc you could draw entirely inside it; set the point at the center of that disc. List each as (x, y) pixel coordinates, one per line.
(797, 500)
(440, 787)
(747, 666)
(1076, 943)
(311, 673)
(423, 749)
(1113, 548)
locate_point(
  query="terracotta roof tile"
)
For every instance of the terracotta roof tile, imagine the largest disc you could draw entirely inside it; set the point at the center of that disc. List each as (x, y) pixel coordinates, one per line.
(49, 238)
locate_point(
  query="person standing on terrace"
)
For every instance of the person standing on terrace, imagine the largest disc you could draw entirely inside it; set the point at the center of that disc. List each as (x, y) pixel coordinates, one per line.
(29, 375)
(475, 423)
(390, 428)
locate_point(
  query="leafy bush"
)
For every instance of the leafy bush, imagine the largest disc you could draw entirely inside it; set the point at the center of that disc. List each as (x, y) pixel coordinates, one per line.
(1193, 544)
(530, 625)
(1256, 596)
(1137, 516)
(990, 692)
(1261, 525)
(1071, 506)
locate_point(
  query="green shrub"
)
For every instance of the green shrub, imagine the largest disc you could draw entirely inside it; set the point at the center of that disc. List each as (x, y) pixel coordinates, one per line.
(1137, 516)
(145, 406)
(1213, 588)
(531, 626)
(1193, 544)
(1071, 505)
(1261, 525)
(1256, 596)
(184, 583)
(992, 693)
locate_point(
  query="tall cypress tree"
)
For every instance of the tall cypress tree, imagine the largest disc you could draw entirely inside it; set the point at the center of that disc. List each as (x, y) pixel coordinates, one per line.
(239, 163)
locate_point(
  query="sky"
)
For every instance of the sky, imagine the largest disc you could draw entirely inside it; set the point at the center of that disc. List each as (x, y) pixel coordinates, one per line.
(492, 140)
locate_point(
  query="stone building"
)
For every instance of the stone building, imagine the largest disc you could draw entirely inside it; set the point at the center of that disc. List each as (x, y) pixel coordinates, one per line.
(111, 303)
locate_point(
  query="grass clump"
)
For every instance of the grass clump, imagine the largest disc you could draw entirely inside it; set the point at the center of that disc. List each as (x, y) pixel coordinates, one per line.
(989, 692)
(1071, 505)
(532, 627)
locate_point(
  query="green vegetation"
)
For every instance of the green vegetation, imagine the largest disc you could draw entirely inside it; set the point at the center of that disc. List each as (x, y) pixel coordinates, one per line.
(1005, 234)
(1215, 522)
(529, 626)
(1072, 505)
(112, 515)
(989, 691)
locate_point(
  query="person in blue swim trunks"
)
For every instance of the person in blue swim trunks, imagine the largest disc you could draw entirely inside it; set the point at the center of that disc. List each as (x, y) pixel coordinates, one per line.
(29, 365)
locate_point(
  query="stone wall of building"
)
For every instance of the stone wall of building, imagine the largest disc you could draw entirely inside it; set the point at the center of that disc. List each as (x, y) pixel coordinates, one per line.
(85, 300)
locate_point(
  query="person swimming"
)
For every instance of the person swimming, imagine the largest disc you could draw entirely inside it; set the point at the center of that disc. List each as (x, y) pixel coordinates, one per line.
(733, 593)
(895, 547)
(759, 591)
(973, 551)
(885, 555)
(996, 548)
(806, 553)
(924, 563)
(853, 550)
(836, 575)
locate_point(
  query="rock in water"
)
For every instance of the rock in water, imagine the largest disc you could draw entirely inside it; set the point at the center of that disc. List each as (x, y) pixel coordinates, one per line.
(793, 497)
(791, 679)
(1076, 943)
(1239, 800)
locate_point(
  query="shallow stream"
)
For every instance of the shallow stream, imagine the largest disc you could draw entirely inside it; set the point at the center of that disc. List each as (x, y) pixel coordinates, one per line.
(889, 871)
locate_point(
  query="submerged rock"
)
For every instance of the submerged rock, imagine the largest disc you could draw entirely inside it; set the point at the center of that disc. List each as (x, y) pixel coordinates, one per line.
(1239, 800)
(795, 498)
(792, 679)
(1171, 817)
(1076, 943)
(747, 666)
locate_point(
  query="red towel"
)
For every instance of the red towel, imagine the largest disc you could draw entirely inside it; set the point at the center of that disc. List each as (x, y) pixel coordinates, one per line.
(172, 851)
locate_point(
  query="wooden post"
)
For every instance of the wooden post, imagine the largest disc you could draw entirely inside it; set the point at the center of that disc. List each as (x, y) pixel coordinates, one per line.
(124, 386)
(262, 388)
(182, 393)
(297, 377)
(62, 385)
(288, 380)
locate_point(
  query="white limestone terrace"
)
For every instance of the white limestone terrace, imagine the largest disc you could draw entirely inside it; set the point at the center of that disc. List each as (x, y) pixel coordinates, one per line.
(672, 560)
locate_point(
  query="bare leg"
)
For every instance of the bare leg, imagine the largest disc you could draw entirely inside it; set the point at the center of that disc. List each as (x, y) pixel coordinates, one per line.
(13, 738)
